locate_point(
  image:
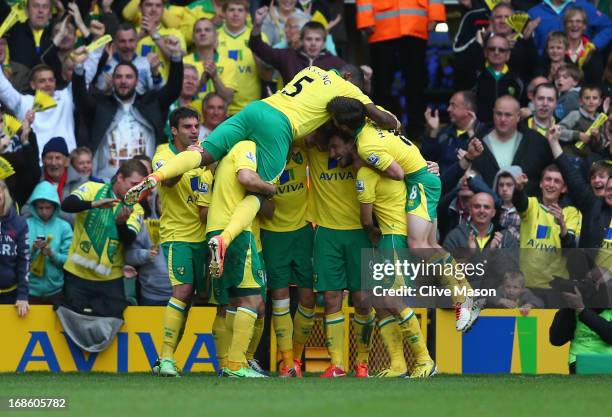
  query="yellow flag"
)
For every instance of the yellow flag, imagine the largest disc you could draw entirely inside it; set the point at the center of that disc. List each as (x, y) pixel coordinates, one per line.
(98, 43)
(6, 169)
(17, 14)
(43, 101)
(599, 121)
(492, 3)
(153, 230)
(518, 21)
(37, 267)
(11, 125)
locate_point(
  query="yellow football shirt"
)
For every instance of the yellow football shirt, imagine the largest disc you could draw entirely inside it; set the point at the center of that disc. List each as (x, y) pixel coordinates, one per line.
(305, 97)
(81, 244)
(332, 199)
(247, 76)
(380, 148)
(604, 255)
(226, 68)
(228, 192)
(291, 199)
(388, 198)
(147, 45)
(180, 219)
(540, 243)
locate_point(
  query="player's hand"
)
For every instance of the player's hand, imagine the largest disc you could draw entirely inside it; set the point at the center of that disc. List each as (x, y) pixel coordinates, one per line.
(497, 240)
(530, 27)
(22, 307)
(123, 215)
(260, 15)
(270, 191)
(374, 235)
(104, 203)
(521, 181)
(196, 148)
(475, 149)
(154, 63)
(433, 121)
(433, 168)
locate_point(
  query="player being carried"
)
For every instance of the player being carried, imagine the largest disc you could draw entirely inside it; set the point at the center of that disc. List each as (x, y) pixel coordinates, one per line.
(396, 157)
(272, 123)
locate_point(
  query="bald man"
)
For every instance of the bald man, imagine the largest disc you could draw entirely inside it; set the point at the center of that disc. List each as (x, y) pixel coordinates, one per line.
(507, 145)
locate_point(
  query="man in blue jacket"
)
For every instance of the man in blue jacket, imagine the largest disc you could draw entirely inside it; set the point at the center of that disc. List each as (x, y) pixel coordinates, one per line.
(551, 13)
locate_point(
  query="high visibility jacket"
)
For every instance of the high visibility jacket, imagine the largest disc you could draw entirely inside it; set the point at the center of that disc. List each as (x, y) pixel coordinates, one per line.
(393, 19)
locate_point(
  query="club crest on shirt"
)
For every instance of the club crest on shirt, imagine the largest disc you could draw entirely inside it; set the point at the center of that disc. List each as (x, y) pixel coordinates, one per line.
(159, 164)
(373, 159)
(251, 157)
(360, 186)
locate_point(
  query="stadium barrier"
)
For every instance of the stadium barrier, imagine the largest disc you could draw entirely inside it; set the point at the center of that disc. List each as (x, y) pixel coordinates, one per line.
(502, 341)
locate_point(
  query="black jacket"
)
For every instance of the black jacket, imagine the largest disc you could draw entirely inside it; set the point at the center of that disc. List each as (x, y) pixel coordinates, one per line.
(20, 40)
(26, 164)
(488, 89)
(533, 155)
(99, 110)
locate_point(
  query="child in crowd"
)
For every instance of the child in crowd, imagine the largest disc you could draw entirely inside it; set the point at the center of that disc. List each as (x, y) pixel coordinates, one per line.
(557, 46)
(513, 294)
(81, 160)
(567, 81)
(50, 238)
(575, 124)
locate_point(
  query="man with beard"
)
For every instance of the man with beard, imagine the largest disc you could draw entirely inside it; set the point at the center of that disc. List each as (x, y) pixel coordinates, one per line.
(126, 124)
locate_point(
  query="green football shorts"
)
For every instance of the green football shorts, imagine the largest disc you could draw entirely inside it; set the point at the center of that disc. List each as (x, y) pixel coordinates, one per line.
(424, 189)
(186, 263)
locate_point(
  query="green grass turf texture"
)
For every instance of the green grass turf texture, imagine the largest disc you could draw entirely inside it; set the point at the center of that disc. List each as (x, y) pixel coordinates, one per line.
(111, 395)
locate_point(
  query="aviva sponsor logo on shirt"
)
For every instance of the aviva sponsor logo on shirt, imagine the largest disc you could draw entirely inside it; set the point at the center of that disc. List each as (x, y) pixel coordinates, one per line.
(543, 232)
(288, 176)
(332, 163)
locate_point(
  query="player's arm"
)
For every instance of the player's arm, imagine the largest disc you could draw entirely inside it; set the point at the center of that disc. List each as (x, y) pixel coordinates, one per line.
(267, 209)
(394, 171)
(367, 222)
(382, 118)
(203, 212)
(252, 182)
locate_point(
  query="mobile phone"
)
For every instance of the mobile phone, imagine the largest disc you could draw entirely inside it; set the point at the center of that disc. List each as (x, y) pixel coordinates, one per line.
(41, 237)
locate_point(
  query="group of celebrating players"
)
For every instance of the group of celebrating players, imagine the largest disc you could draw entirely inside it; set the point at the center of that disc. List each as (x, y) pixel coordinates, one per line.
(304, 180)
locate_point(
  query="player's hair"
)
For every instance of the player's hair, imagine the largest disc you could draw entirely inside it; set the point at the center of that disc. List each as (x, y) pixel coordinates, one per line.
(125, 26)
(357, 77)
(572, 11)
(469, 99)
(127, 168)
(39, 68)
(182, 113)
(81, 150)
(313, 26)
(127, 64)
(8, 200)
(514, 276)
(590, 87)
(244, 3)
(572, 70)
(551, 168)
(347, 111)
(142, 157)
(328, 130)
(557, 36)
(209, 97)
(544, 85)
(599, 166)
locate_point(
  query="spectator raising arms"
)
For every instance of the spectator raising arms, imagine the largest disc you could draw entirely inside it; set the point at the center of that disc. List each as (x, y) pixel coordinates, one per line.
(15, 255)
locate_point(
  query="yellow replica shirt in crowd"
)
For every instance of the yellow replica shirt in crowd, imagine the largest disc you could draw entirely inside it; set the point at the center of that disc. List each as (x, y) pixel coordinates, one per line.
(380, 148)
(332, 199)
(226, 68)
(604, 255)
(235, 47)
(388, 198)
(540, 242)
(291, 199)
(180, 215)
(305, 97)
(228, 192)
(147, 45)
(82, 248)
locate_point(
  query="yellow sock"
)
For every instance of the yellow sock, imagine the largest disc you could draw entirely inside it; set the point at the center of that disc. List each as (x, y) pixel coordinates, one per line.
(243, 216)
(258, 329)
(363, 327)
(302, 326)
(181, 163)
(283, 328)
(221, 342)
(230, 315)
(244, 323)
(334, 337)
(174, 319)
(448, 279)
(411, 330)
(392, 338)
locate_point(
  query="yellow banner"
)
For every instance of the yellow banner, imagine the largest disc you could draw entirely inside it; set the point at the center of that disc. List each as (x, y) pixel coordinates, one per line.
(37, 343)
(501, 341)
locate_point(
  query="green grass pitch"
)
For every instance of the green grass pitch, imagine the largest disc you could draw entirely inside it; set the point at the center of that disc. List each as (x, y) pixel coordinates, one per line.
(110, 395)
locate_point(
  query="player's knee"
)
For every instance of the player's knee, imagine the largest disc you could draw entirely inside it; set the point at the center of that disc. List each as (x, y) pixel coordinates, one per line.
(306, 297)
(280, 293)
(333, 301)
(183, 292)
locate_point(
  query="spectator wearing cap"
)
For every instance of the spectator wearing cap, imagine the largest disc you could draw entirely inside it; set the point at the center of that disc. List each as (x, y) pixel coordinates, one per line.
(58, 171)
(508, 145)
